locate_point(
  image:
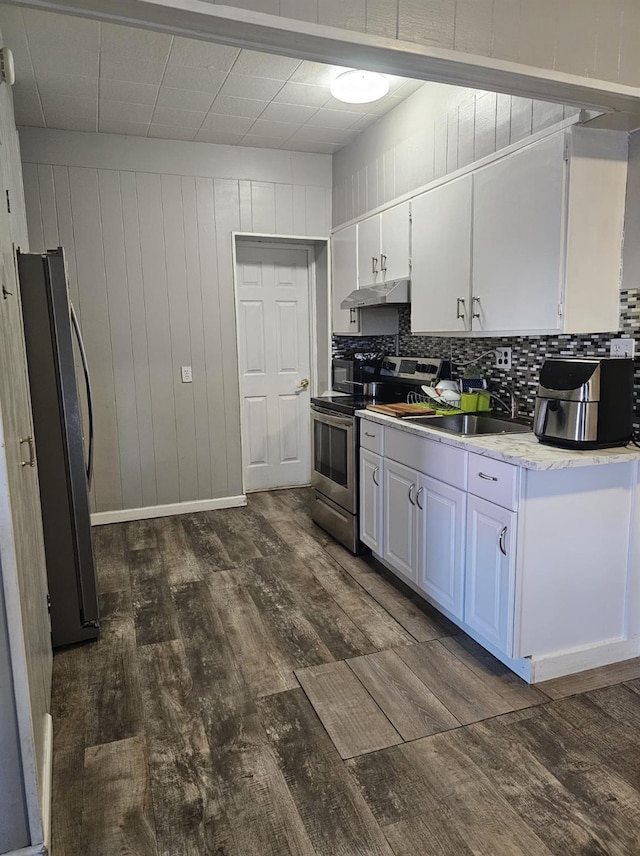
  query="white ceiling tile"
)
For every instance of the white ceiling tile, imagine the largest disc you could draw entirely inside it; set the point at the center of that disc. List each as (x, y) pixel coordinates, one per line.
(14, 35)
(171, 132)
(117, 126)
(288, 113)
(303, 95)
(221, 137)
(383, 105)
(74, 86)
(123, 90)
(68, 122)
(323, 135)
(71, 106)
(407, 88)
(125, 111)
(238, 106)
(275, 130)
(243, 86)
(182, 118)
(335, 118)
(197, 79)
(309, 146)
(199, 54)
(114, 67)
(49, 60)
(138, 43)
(265, 65)
(184, 99)
(220, 123)
(316, 73)
(61, 31)
(28, 110)
(365, 121)
(260, 142)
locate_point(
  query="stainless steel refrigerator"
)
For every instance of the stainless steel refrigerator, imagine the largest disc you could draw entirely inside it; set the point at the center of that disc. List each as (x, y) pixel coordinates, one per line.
(64, 458)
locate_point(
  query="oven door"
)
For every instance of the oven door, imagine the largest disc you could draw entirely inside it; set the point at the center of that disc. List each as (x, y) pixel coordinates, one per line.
(334, 453)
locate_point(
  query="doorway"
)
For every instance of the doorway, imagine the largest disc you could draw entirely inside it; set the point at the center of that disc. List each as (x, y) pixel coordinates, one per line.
(275, 311)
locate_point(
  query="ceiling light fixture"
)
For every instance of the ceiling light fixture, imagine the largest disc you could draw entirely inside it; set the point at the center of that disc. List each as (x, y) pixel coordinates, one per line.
(359, 87)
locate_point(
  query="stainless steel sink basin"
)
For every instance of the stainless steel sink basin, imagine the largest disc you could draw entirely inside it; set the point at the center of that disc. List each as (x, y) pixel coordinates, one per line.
(471, 424)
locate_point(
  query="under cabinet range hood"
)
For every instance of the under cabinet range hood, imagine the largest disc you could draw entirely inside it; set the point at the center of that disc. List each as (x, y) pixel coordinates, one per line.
(384, 294)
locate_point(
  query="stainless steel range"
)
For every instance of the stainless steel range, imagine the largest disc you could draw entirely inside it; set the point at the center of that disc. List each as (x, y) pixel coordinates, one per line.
(336, 441)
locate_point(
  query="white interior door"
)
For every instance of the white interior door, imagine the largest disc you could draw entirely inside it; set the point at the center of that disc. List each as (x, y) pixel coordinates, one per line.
(275, 363)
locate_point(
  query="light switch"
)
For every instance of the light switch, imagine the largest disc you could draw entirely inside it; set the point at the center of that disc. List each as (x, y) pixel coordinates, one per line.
(187, 376)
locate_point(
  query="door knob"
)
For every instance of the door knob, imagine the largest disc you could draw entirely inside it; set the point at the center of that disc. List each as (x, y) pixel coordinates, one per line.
(304, 383)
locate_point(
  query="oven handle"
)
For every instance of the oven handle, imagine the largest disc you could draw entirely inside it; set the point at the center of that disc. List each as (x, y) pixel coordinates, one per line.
(332, 419)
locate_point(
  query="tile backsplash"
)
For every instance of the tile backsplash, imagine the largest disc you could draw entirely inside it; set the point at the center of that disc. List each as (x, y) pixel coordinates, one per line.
(528, 352)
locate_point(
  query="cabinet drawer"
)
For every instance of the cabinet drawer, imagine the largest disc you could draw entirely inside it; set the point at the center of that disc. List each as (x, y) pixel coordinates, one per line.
(494, 480)
(372, 436)
(442, 462)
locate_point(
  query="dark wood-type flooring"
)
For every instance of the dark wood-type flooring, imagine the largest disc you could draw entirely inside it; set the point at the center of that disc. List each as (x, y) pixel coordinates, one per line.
(258, 691)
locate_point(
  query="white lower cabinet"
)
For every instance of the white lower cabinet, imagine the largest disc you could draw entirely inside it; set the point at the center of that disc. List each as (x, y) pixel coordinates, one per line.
(400, 520)
(371, 500)
(441, 523)
(490, 572)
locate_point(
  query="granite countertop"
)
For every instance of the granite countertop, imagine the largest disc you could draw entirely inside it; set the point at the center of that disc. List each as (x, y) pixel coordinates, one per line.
(523, 450)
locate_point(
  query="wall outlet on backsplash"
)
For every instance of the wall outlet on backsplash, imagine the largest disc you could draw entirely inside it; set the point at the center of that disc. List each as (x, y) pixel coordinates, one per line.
(503, 358)
(623, 348)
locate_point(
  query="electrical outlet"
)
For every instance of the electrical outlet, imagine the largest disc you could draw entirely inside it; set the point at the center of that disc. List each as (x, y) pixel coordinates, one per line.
(503, 358)
(622, 348)
(187, 376)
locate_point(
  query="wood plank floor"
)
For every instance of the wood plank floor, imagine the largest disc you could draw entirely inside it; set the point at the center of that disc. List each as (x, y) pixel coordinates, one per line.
(258, 691)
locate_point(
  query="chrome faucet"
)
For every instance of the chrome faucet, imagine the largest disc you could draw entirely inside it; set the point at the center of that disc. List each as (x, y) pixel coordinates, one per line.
(512, 407)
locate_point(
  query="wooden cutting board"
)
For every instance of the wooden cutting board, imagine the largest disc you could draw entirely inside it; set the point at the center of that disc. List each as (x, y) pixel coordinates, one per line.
(399, 410)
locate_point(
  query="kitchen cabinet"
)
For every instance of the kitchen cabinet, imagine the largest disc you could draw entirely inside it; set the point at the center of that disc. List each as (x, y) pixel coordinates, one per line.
(530, 242)
(371, 500)
(441, 530)
(490, 572)
(344, 279)
(384, 246)
(441, 258)
(399, 518)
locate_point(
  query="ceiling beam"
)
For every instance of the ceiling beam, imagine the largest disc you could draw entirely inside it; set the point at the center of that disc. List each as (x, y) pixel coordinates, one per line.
(256, 31)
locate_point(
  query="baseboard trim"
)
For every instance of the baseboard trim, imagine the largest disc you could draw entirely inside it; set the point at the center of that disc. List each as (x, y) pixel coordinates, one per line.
(126, 514)
(47, 783)
(572, 662)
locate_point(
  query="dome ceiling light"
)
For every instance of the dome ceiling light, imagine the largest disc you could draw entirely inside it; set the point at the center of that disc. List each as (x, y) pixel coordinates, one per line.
(359, 87)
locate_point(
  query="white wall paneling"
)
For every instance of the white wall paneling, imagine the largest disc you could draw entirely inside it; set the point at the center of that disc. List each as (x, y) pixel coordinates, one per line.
(147, 230)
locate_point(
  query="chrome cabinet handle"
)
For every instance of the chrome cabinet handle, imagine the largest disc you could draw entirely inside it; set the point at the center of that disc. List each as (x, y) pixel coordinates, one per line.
(374, 264)
(373, 476)
(32, 453)
(420, 490)
(368, 434)
(411, 489)
(383, 263)
(459, 300)
(501, 541)
(487, 478)
(353, 317)
(474, 301)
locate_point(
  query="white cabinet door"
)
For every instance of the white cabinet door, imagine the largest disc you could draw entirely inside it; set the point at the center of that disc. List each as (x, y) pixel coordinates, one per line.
(441, 530)
(371, 500)
(395, 229)
(441, 258)
(369, 251)
(518, 214)
(399, 530)
(490, 572)
(344, 265)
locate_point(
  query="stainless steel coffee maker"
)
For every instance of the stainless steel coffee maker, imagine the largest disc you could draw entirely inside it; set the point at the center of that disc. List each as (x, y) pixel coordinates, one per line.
(585, 403)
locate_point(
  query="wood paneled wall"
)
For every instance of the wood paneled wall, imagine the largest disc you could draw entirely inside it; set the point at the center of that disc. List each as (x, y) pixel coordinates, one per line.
(146, 226)
(436, 131)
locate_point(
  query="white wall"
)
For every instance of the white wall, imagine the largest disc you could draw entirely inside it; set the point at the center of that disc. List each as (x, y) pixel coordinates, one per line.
(435, 131)
(146, 226)
(594, 38)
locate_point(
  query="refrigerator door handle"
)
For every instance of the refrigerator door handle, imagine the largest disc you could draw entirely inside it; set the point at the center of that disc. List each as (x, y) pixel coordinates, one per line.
(87, 380)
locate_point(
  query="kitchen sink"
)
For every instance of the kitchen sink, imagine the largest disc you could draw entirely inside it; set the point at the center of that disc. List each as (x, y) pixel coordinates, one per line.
(472, 424)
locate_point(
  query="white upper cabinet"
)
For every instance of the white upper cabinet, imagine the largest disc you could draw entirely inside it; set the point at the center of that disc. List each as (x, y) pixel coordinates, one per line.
(344, 262)
(384, 246)
(530, 243)
(441, 258)
(518, 214)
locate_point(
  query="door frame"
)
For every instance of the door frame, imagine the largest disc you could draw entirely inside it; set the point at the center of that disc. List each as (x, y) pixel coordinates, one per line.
(289, 242)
